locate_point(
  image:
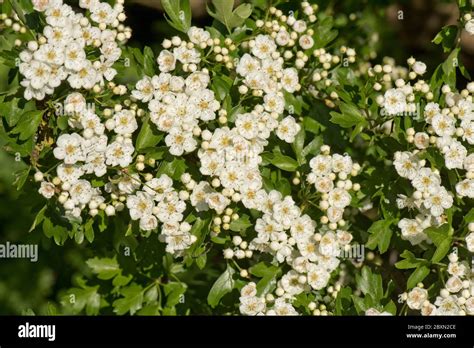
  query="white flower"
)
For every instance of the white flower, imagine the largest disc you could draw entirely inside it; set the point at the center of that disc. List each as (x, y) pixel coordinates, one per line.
(247, 65)
(125, 122)
(86, 77)
(41, 5)
(412, 231)
(38, 74)
(421, 140)
(170, 209)
(144, 90)
(81, 192)
(58, 16)
(443, 125)
(49, 54)
(287, 129)
(91, 121)
(341, 164)
(426, 181)
(186, 55)
(148, 223)
(395, 101)
(205, 105)
(284, 308)
(74, 57)
(246, 125)
(289, 80)
(416, 297)
(306, 42)
(439, 201)
(199, 195)
(264, 46)
(198, 35)
(119, 154)
(250, 305)
(339, 198)
(406, 164)
(465, 188)
(375, 312)
(470, 242)
(180, 142)
(447, 306)
(318, 277)
(69, 172)
(454, 155)
(469, 26)
(166, 61)
(46, 189)
(328, 245)
(454, 284)
(274, 103)
(419, 68)
(431, 110)
(140, 205)
(159, 187)
(102, 12)
(217, 201)
(249, 290)
(282, 37)
(468, 128)
(69, 148)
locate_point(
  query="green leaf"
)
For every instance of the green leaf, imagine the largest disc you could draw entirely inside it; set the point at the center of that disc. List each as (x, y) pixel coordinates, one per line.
(469, 217)
(241, 224)
(350, 116)
(28, 124)
(148, 67)
(442, 250)
(221, 86)
(409, 261)
(59, 233)
(132, 300)
(224, 13)
(370, 283)
(380, 235)
(223, 285)
(105, 268)
(84, 297)
(174, 292)
(178, 14)
(313, 147)
(281, 161)
(298, 146)
(438, 234)
(446, 37)
(89, 230)
(173, 169)
(343, 300)
(148, 136)
(269, 275)
(12, 112)
(417, 276)
(38, 219)
(324, 33)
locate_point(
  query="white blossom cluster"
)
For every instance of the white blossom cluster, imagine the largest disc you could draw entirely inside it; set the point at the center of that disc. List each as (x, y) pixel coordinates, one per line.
(431, 199)
(69, 40)
(290, 236)
(325, 170)
(448, 128)
(92, 153)
(456, 298)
